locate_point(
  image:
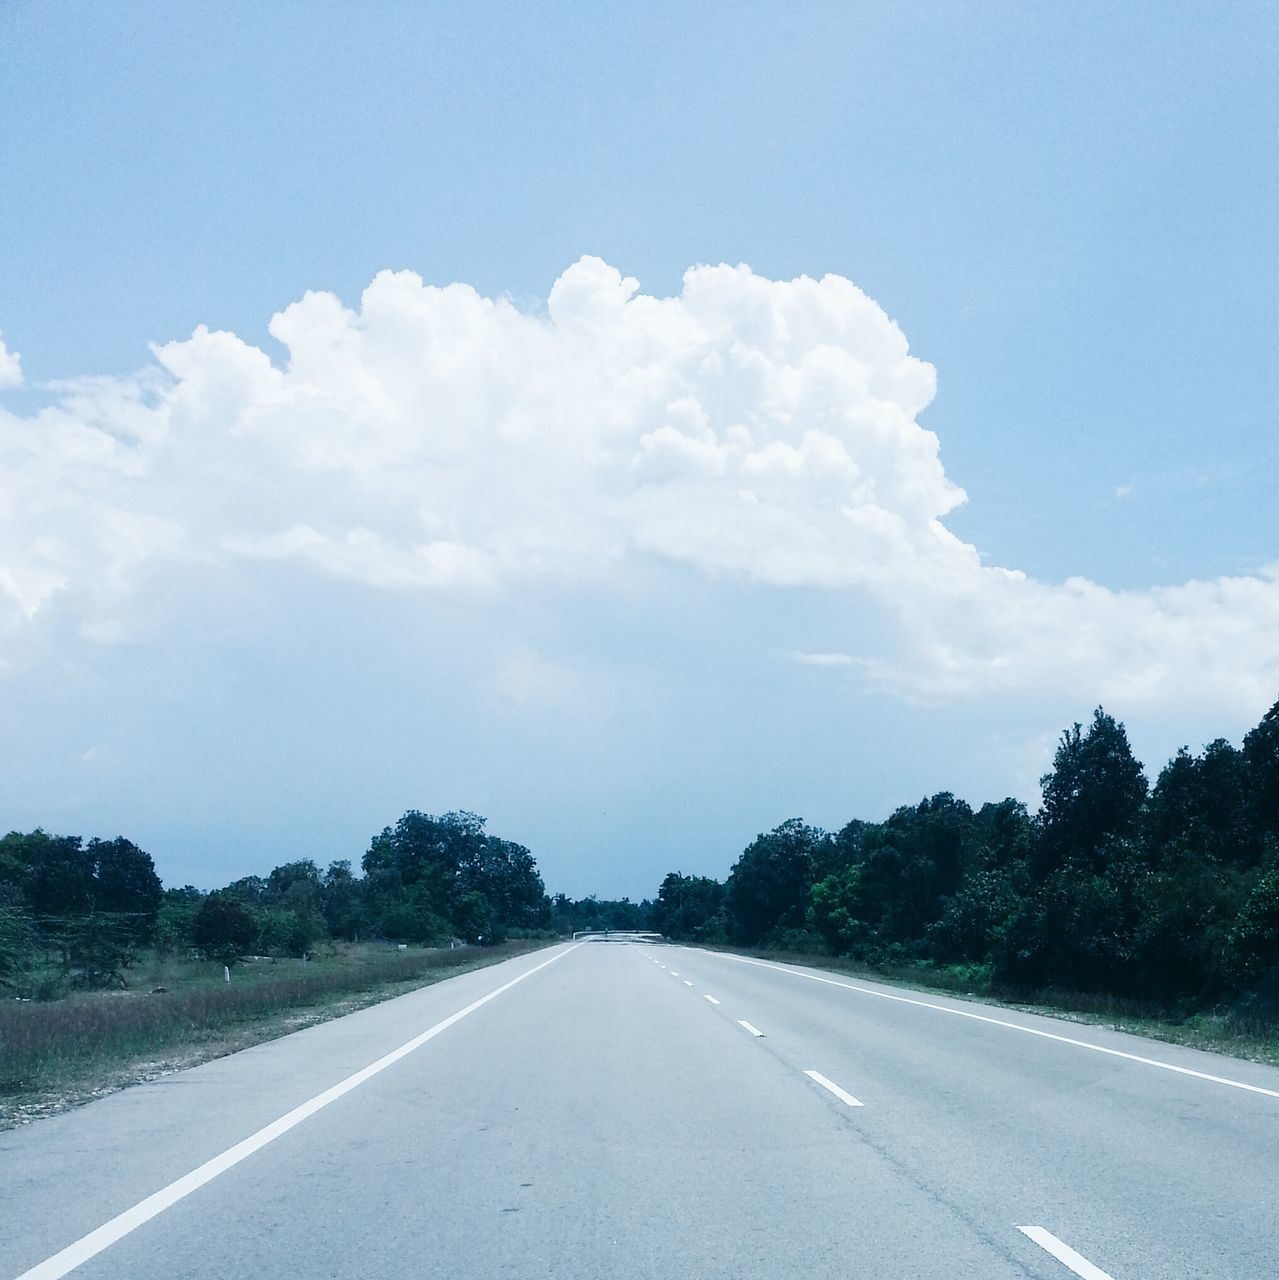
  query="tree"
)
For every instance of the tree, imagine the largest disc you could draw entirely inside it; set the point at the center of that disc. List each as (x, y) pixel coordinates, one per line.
(1252, 947)
(126, 885)
(17, 943)
(836, 911)
(688, 908)
(768, 887)
(225, 928)
(1261, 761)
(910, 864)
(1092, 797)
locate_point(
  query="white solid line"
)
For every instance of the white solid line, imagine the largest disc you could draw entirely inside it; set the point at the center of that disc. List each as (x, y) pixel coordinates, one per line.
(741, 1022)
(711, 999)
(687, 983)
(842, 1094)
(1011, 1026)
(122, 1224)
(1065, 1254)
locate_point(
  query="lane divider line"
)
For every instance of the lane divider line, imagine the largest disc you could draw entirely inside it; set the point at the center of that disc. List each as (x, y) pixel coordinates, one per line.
(687, 983)
(1065, 1254)
(755, 1031)
(89, 1246)
(1011, 1026)
(831, 1087)
(711, 999)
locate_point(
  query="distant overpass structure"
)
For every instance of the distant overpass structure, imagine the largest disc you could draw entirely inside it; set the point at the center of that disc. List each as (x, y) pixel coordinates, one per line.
(616, 935)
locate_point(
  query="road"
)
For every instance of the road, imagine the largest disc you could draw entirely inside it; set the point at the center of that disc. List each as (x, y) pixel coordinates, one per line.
(655, 1111)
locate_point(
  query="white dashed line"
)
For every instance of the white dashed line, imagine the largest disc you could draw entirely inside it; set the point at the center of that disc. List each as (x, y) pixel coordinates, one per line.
(1010, 1026)
(1065, 1254)
(830, 1086)
(755, 1031)
(687, 983)
(711, 999)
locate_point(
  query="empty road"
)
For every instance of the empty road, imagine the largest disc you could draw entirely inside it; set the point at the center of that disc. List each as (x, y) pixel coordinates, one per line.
(613, 1109)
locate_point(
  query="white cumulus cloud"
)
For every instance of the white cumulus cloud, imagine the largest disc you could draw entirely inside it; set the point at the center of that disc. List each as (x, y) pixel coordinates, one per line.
(10, 367)
(433, 439)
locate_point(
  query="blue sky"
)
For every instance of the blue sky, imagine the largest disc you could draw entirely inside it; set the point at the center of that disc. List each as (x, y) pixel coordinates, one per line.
(1068, 211)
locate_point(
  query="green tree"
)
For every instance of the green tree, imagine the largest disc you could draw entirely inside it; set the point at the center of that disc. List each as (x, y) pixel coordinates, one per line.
(1252, 947)
(836, 911)
(1261, 763)
(1092, 798)
(17, 943)
(768, 887)
(688, 908)
(125, 885)
(225, 928)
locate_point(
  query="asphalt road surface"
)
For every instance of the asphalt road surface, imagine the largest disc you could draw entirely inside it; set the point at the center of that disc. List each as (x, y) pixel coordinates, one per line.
(635, 1110)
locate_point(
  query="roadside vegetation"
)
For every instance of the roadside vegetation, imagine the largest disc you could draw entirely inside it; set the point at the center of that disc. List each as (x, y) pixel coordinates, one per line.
(180, 1011)
(1154, 908)
(106, 975)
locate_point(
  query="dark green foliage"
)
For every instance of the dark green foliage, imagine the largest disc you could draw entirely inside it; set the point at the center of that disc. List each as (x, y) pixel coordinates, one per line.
(126, 885)
(225, 928)
(769, 885)
(689, 908)
(1168, 897)
(174, 931)
(1261, 776)
(1092, 797)
(17, 943)
(837, 911)
(1252, 947)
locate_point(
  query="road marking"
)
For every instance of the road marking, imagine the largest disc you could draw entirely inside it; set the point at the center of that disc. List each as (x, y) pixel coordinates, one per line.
(741, 1022)
(1065, 1254)
(687, 983)
(1011, 1026)
(711, 999)
(674, 974)
(842, 1094)
(122, 1224)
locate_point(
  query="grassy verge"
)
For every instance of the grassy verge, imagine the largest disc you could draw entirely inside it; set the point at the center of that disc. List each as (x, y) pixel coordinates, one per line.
(178, 1013)
(1253, 1039)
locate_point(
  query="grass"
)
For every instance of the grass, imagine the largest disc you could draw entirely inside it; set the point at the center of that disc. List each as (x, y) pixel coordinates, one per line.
(176, 1013)
(1234, 1032)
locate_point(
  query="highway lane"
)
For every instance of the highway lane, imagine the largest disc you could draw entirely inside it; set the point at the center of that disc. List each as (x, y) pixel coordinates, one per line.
(1147, 1172)
(603, 1117)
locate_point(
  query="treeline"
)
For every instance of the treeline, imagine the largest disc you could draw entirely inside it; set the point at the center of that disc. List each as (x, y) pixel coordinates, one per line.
(75, 914)
(1167, 896)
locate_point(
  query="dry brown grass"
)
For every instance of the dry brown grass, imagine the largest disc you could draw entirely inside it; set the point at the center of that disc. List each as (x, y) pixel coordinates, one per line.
(85, 1044)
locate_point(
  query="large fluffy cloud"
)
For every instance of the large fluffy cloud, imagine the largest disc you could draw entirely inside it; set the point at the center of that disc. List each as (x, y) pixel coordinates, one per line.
(437, 440)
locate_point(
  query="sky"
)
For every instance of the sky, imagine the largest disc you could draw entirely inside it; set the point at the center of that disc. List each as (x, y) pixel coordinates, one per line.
(638, 428)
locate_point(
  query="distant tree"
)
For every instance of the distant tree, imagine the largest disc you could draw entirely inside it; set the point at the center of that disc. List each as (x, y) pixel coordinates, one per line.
(174, 931)
(768, 887)
(343, 902)
(910, 864)
(475, 919)
(59, 878)
(1199, 804)
(126, 886)
(1261, 763)
(689, 908)
(17, 943)
(1252, 947)
(225, 928)
(1092, 798)
(837, 911)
